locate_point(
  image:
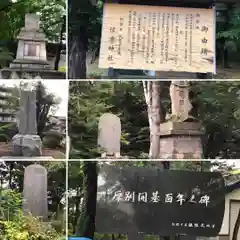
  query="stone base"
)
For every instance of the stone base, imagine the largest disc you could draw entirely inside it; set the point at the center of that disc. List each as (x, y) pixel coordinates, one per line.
(30, 73)
(181, 140)
(26, 64)
(26, 146)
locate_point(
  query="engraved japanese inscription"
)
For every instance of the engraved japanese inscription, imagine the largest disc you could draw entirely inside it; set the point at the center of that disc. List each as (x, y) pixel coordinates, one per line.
(157, 38)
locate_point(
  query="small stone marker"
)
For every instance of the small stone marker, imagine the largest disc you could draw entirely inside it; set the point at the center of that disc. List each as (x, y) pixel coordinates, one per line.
(109, 134)
(35, 191)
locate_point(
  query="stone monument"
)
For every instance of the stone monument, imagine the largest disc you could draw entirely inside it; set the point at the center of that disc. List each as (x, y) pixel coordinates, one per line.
(31, 58)
(27, 143)
(109, 135)
(35, 191)
(181, 133)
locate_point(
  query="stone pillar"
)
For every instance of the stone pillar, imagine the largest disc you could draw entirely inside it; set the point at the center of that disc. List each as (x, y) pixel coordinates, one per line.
(27, 143)
(181, 133)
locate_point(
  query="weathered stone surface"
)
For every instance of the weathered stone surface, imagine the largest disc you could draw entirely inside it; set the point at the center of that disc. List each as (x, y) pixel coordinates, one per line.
(180, 103)
(27, 123)
(31, 72)
(109, 133)
(32, 22)
(35, 191)
(181, 128)
(26, 145)
(181, 140)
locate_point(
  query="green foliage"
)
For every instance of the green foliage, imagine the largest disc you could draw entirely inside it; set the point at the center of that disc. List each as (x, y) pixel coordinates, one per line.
(232, 32)
(86, 104)
(84, 13)
(10, 203)
(45, 104)
(27, 227)
(88, 101)
(52, 140)
(7, 131)
(5, 56)
(219, 108)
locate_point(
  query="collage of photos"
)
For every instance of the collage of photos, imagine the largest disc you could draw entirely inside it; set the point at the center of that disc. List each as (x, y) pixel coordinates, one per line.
(119, 120)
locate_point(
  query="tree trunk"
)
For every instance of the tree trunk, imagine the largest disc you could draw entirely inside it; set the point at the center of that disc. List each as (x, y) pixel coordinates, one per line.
(86, 222)
(236, 227)
(77, 68)
(77, 205)
(152, 96)
(59, 48)
(152, 91)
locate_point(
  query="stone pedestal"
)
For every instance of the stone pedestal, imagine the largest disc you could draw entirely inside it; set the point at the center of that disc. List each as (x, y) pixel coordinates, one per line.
(181, 140)
(26, 145)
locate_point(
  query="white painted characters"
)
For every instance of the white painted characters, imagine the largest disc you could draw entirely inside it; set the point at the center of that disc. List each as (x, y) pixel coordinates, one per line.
(155, 197)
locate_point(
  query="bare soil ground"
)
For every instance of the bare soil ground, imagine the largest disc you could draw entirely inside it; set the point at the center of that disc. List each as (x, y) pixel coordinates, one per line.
(233, 72)
(5, 150)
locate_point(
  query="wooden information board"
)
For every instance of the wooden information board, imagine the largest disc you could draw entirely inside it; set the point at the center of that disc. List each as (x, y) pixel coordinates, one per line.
(158, 38)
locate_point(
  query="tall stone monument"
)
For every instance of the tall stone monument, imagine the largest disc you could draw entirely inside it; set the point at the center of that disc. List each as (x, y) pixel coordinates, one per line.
(27, 143)
(181, 133)
(31, 58)
(35, 191)
(109, 135)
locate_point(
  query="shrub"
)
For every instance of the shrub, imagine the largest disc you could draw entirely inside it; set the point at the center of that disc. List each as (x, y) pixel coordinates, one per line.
(28, 228)
(7, 131)
(52, 140)
(10, 204)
